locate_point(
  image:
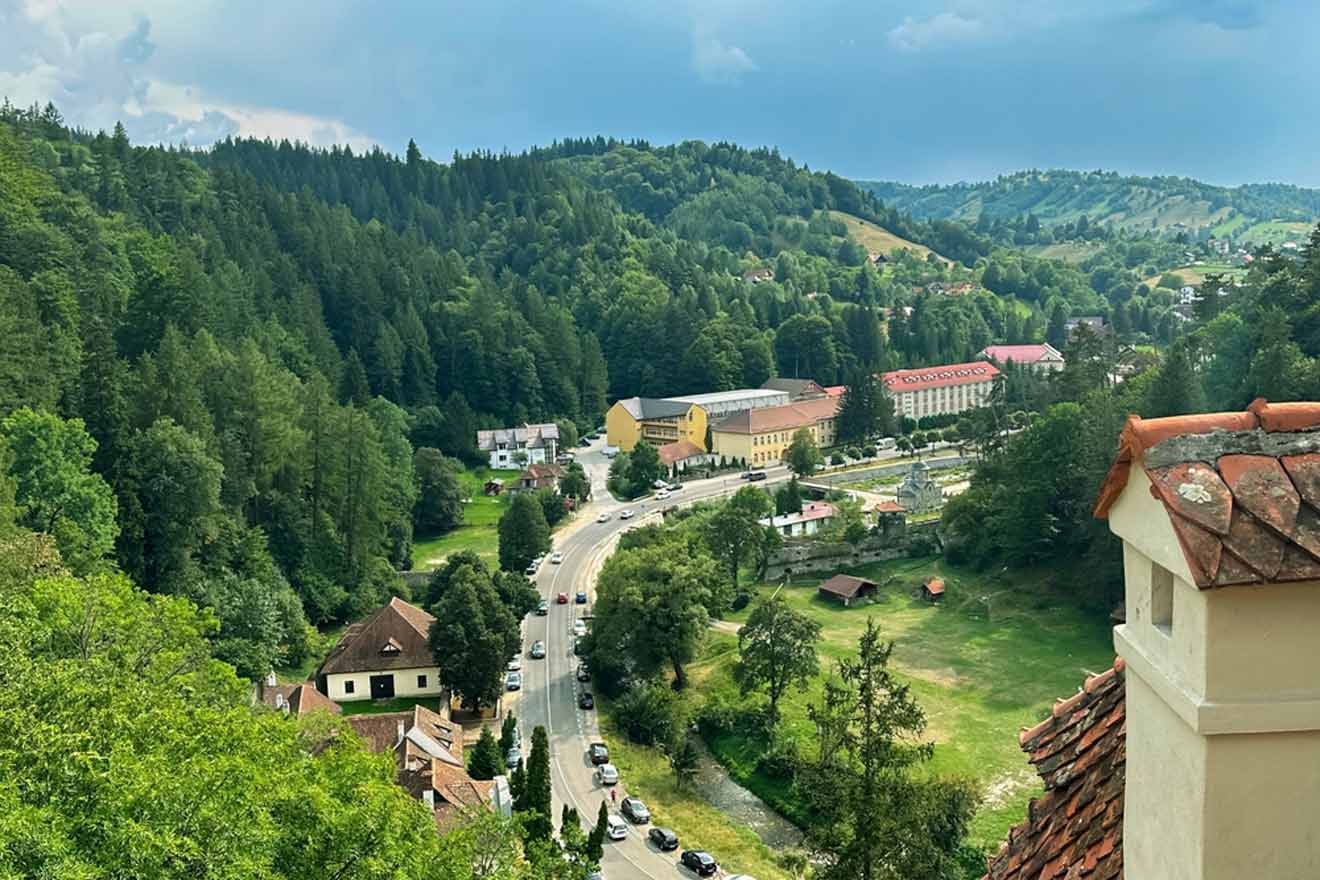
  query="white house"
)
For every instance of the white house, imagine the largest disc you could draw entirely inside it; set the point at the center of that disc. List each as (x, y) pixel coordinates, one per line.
(520, 446)
(1042, 358)
(814, 516)
(384, 656)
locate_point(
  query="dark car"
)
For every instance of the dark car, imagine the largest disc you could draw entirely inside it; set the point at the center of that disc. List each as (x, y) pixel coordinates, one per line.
(756, 476)
(578, 647)
(581, 597)
(583, 672)
(699, 862)
(586, 701)
(634, 809)
(664, 839)
(542, 608)
(598, 753)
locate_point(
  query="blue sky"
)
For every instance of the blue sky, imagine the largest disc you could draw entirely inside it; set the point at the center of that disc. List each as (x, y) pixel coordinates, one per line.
(1222, 90)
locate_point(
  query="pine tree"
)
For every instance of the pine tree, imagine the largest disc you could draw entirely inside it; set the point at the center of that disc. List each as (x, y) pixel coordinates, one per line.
(596, 839)
(1176, 390)
(487, 760)
(536, 801)
(508, 730)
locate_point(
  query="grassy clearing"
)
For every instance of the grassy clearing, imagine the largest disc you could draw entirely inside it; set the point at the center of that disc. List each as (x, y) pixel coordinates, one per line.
(1195, 275)
(979, 678)
(480, 518)
(1275, 232)
(1068, 251)
(877, 239)
(381, 707)
(646, 774)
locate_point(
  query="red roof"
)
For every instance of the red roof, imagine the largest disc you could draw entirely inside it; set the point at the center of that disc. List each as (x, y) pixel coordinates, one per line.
(1019, 354)
(835, 390)
(1242, 490)
(1075, 829)
(679, 450)
(939, 377)
(935, 586)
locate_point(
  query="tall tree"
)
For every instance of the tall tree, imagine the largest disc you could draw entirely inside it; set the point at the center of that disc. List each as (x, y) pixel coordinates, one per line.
(473, 637)
(523, 532)
(802, 456)
(734, 530)
(777, 649)
(486, 761)
(536, 797)
(1176, 390)
(439, 506)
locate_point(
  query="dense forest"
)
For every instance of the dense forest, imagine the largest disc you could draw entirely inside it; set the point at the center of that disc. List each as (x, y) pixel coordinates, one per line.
(1165, 204)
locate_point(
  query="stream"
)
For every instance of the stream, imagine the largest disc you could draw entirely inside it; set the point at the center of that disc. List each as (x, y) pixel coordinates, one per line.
(717, 787)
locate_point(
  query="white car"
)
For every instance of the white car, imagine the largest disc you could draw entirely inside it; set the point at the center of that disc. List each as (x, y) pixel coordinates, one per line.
(579, 627)
(515, 664)
(607, 774)
(658, 484)
(556, 558)
(603, 518)
(626, 514)
(662, 495)
(616, 828)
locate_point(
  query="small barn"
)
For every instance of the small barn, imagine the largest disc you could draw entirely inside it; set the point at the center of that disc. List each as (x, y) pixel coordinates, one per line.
(494, 487)
(846, 589)
(933, 589)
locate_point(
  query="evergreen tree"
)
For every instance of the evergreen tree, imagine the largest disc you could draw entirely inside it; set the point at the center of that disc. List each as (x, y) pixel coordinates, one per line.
(508, 732)
(596, 839)
(536, 802)
(487, 761)
(1176, 390)
(523, 532)
(1056, 334)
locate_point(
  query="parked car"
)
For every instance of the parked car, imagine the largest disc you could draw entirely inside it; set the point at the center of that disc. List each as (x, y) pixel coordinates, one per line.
(634, 809)
(674, 487)
(581, 597)
(577, 647)
(625, 514)
(584, 442)
(556, 558)
(586, 700)
(513, 757)
(583, 672)
(607, 774)
(603, 517)
(745, 475)
(579, 627)
(661, 495)
(664, 839)
(538, 650)
(562, 599)
(515, 665)
(699, 862)
(542, 608)
(616, 828)
(599, 753)
(513, 681)
(531, 569)
(756, 476)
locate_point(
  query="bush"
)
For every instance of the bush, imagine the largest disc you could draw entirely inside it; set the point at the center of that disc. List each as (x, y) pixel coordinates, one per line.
(836, 458)
(741, 600)
(782, 760)
(648, 715)
(853, 452)
(720, 714)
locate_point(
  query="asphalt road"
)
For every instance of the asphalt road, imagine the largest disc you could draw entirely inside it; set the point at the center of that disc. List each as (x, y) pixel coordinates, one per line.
(550, 689)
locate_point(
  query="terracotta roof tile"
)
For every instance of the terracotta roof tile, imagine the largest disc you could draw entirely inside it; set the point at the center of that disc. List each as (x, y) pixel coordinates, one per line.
(1259, 484)
(1200, 547)
(1250, 541)
(1075, 830)
(1304, 471)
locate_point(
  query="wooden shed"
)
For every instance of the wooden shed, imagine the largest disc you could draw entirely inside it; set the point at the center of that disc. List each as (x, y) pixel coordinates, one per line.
(846, 589)
(933, 589)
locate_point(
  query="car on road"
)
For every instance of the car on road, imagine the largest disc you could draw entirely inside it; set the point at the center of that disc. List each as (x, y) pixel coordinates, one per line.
(586, 700)
(578, 647)
(662, 495)
(603, 517)
(513, 757)
(625, 514)
(616, 828)
(538, 650)
(579, 627)
(515, 665)
(531, 569)
(556, 558)
(513, 681)
(674, 487)
(542, 608)
(581, 597)
(584, 442)
(635, 810)
(659, 484)
(562, 599)
(756, 476)
(607, 774)
(663, 838)
(699, 862)
(599, 753)
(583, 672)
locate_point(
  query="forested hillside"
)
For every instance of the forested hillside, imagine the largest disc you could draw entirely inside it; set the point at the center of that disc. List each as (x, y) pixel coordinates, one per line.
(1163, 204)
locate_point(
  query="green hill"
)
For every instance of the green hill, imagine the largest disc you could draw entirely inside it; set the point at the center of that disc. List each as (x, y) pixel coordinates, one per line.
(1252, 213)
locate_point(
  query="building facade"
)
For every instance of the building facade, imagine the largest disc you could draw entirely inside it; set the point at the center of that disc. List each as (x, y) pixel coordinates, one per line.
(521, 446)
(655, 420)
(720, 404)
(814, 516)
(762, 436)
(385, 656)
(945, 390)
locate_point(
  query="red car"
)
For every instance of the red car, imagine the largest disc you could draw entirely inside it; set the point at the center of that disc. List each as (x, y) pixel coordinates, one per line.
(562, 599)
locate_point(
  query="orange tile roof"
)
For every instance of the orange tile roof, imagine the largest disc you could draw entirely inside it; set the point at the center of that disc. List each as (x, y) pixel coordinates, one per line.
(678, 451)
(1242, 490)
(1075, 829)
(935, 586)
(789, 416)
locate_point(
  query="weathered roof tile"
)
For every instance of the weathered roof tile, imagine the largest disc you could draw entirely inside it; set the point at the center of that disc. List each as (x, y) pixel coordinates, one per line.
(1248, 539)
(1194, 490)
(1259, 484)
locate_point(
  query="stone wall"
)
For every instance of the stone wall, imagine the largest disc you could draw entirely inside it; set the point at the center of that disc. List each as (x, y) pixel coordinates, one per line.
(804, 555)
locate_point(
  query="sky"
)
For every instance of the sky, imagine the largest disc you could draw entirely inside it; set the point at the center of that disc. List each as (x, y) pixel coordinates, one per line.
(923, 91)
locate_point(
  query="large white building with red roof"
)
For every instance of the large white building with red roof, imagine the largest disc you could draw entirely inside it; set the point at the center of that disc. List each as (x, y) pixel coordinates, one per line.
(1043, 357)
(943, 390)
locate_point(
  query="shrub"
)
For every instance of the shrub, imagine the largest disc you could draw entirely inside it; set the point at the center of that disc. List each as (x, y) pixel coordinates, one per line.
(648, 715)
(782, 760)
(836, 458)
(853, 452)
(741, 600)
(718, 715)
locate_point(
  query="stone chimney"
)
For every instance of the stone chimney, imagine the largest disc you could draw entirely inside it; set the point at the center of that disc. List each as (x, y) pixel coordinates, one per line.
(1220, 521)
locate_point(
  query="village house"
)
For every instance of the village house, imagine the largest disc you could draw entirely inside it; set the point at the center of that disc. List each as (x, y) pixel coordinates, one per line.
(540, 476)
(682, 454)
(1095, 323)
(1213, 703)
(294, 700)
(814, 516)
(762, 436)
(846, 589)
(1043, 358)
(667, 420)
(384, 656)
(759, 274)
(944, 390)
(516, 447)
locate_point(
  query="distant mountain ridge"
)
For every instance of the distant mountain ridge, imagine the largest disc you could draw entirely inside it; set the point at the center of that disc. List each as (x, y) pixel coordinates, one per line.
(1160, 204)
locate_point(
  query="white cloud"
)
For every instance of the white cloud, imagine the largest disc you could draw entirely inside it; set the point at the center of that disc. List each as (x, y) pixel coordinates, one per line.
(935, 32)
(94, 61)
(716, 62)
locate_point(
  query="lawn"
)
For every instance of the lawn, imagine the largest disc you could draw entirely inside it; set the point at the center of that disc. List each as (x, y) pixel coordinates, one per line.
(979, 679)
(380, 707)
(478, 533)
(1195, 275)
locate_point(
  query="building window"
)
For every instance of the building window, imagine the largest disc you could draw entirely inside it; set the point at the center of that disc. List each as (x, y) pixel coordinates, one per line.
(348, 687)
(1161, 599)
(421, 682)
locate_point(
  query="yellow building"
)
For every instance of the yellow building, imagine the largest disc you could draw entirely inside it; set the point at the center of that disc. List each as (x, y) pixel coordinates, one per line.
(762, 436)
(656, 421)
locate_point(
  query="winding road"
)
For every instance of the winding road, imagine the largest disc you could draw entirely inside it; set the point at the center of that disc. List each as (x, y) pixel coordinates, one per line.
(550, 688)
